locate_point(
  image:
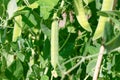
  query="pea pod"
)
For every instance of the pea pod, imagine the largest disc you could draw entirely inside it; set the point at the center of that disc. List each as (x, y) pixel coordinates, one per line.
(17, 28)
(106, 6)
(80, 15)
(54, 41)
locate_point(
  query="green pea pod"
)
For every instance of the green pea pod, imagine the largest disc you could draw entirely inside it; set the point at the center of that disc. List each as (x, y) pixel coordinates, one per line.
(54, 41)
(17, 28)
(80, 15)
(106, 6)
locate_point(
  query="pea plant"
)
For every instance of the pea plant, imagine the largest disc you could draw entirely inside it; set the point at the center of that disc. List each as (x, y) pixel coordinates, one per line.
(59, 39)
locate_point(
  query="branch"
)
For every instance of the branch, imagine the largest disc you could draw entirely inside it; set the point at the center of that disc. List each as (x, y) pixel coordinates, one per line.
(67, 72)
(99, 60)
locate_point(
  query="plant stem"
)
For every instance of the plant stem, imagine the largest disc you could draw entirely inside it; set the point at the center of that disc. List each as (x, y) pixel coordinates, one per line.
(78, 57)
(86, 77)
(65, 42)
(67, 72)
(62, 3)
(99, 60)
(82, 60)
(26, 2)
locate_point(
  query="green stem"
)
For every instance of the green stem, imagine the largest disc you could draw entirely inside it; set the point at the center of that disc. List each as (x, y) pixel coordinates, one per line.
(65, 42)
(82, 60)
(71, 69)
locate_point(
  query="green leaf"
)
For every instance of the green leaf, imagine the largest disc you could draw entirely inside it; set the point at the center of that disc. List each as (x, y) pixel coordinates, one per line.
(109, 13)
(44, 77)
(19, 69)
(46, 6)
(117, 63)
(19, 12)
(8, 58)
(32, 19)
(21, 56)
(113, 43)
(36, 70)
(46, 30)
(108, 32)
(15, 71)
(29, 20)
(71, 29)
(1, 9)
(93, 49)
(91, 67)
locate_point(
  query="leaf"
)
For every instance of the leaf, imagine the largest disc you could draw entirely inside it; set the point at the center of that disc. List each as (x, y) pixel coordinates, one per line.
(19, 12)
(93, 49)
(113, 43)
(8, 57)
(17, 28)
(27, 21)
(34, 5)
(18, 72)
(109, 13)
(46, 30)
(44, 77)
(1, 9)
(108, 32)
(15, 70)
(71, 29)
(117, 63)
(46, 6)
(3, 64)
(21, 56)
(46, 48)
(91, 67)
(11, 8)
(36, 70)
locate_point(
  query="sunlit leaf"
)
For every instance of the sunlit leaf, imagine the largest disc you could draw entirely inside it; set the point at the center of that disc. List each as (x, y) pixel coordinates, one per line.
(17, 28)
(34, 5)
(11, 8)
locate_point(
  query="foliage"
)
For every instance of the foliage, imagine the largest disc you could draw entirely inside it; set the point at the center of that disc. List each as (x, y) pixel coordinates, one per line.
(25, 40)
